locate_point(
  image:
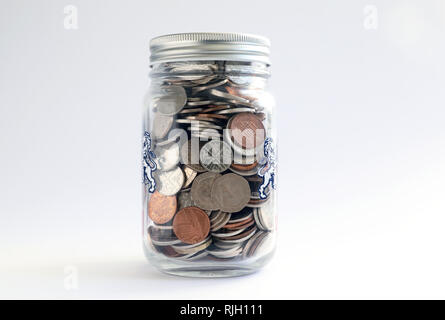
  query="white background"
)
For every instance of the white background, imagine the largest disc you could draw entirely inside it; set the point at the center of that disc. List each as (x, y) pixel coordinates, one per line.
(361, 147)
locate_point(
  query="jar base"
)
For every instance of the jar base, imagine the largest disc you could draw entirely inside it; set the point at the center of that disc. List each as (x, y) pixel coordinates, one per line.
(212, 272)
(207, 269)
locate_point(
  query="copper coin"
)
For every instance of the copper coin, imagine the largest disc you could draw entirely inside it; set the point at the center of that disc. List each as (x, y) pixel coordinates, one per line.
(242, 235)
(244, 167)
(161, 208)
(191, 225)
(247, 130)
(216, 108)
(240, 225)
(212, 115)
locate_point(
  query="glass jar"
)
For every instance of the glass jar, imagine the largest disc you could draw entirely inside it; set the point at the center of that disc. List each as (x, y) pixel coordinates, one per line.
(209, 155)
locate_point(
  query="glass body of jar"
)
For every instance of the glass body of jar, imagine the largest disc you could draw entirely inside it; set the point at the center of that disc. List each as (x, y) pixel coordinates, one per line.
(209, 167)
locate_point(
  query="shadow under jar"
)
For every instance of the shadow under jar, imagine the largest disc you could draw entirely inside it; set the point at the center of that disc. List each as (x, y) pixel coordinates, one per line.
(209, 164)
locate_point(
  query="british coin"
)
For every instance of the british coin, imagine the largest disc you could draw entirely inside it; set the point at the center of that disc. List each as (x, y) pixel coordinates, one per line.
(199, 103)
(193, 248)
(168, 251)
(161, 125)
(213, 108)
(170, 100)
(225, 253)
(190, 157)
(162, 239)
(235, 110)
(161, 209)
(240, 225)
(241, 237)
(230, 192)
(167, 157)
(247, 130)
(250, 242)
(158, 233)
(190, 175)
(194, 256)
(257, 203)
(244, 167)
(192, 110)
(216, 156)
(225, 234)
(173, 136)
(206, 134)
(202, 190)
(203, 125)
(252, 172)
(185, 200)
(198, 118)
(209, 86)
(266, 217)
(218, 117)
(243, 215)
(227, 96)
(218, 220)
(191, 225)
(169, 182)
(262, 245)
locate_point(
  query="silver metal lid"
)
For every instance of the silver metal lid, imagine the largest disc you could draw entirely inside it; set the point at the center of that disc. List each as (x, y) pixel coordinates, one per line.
(209, 46)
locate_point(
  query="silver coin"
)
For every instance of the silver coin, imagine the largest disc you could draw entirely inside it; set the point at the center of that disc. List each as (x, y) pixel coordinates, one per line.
(249, 244)
(209, 86)
(235, 110)
(266, 215)
(205, 135)
(191, 110)
(188, 249)
(169, 182)
(262, 245)
(230, 192)
(194, 256)
(173, 137)
(190, 175)
(202, 190)
(199, 103)
(225, 253)
(228, 96)
(203, 125)
(248, 235)
(216, 156)
(185, 200)
(170, 99)
(219, 220)
(161, 125)
(167, 157)
(226, 234)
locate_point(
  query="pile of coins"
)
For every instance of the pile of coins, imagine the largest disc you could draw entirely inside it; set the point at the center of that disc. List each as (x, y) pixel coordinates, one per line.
(212, 201)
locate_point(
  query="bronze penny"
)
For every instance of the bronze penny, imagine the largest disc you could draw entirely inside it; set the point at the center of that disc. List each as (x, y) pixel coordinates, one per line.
(236, 92)
(212, 115)
(191, 225)
(216, 108)
(246, 233)
(244, 167)
(247, 130)
(240, 225)
(161, 208)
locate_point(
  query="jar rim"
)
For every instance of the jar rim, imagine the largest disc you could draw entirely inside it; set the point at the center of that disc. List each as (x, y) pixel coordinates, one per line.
(209, 46)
